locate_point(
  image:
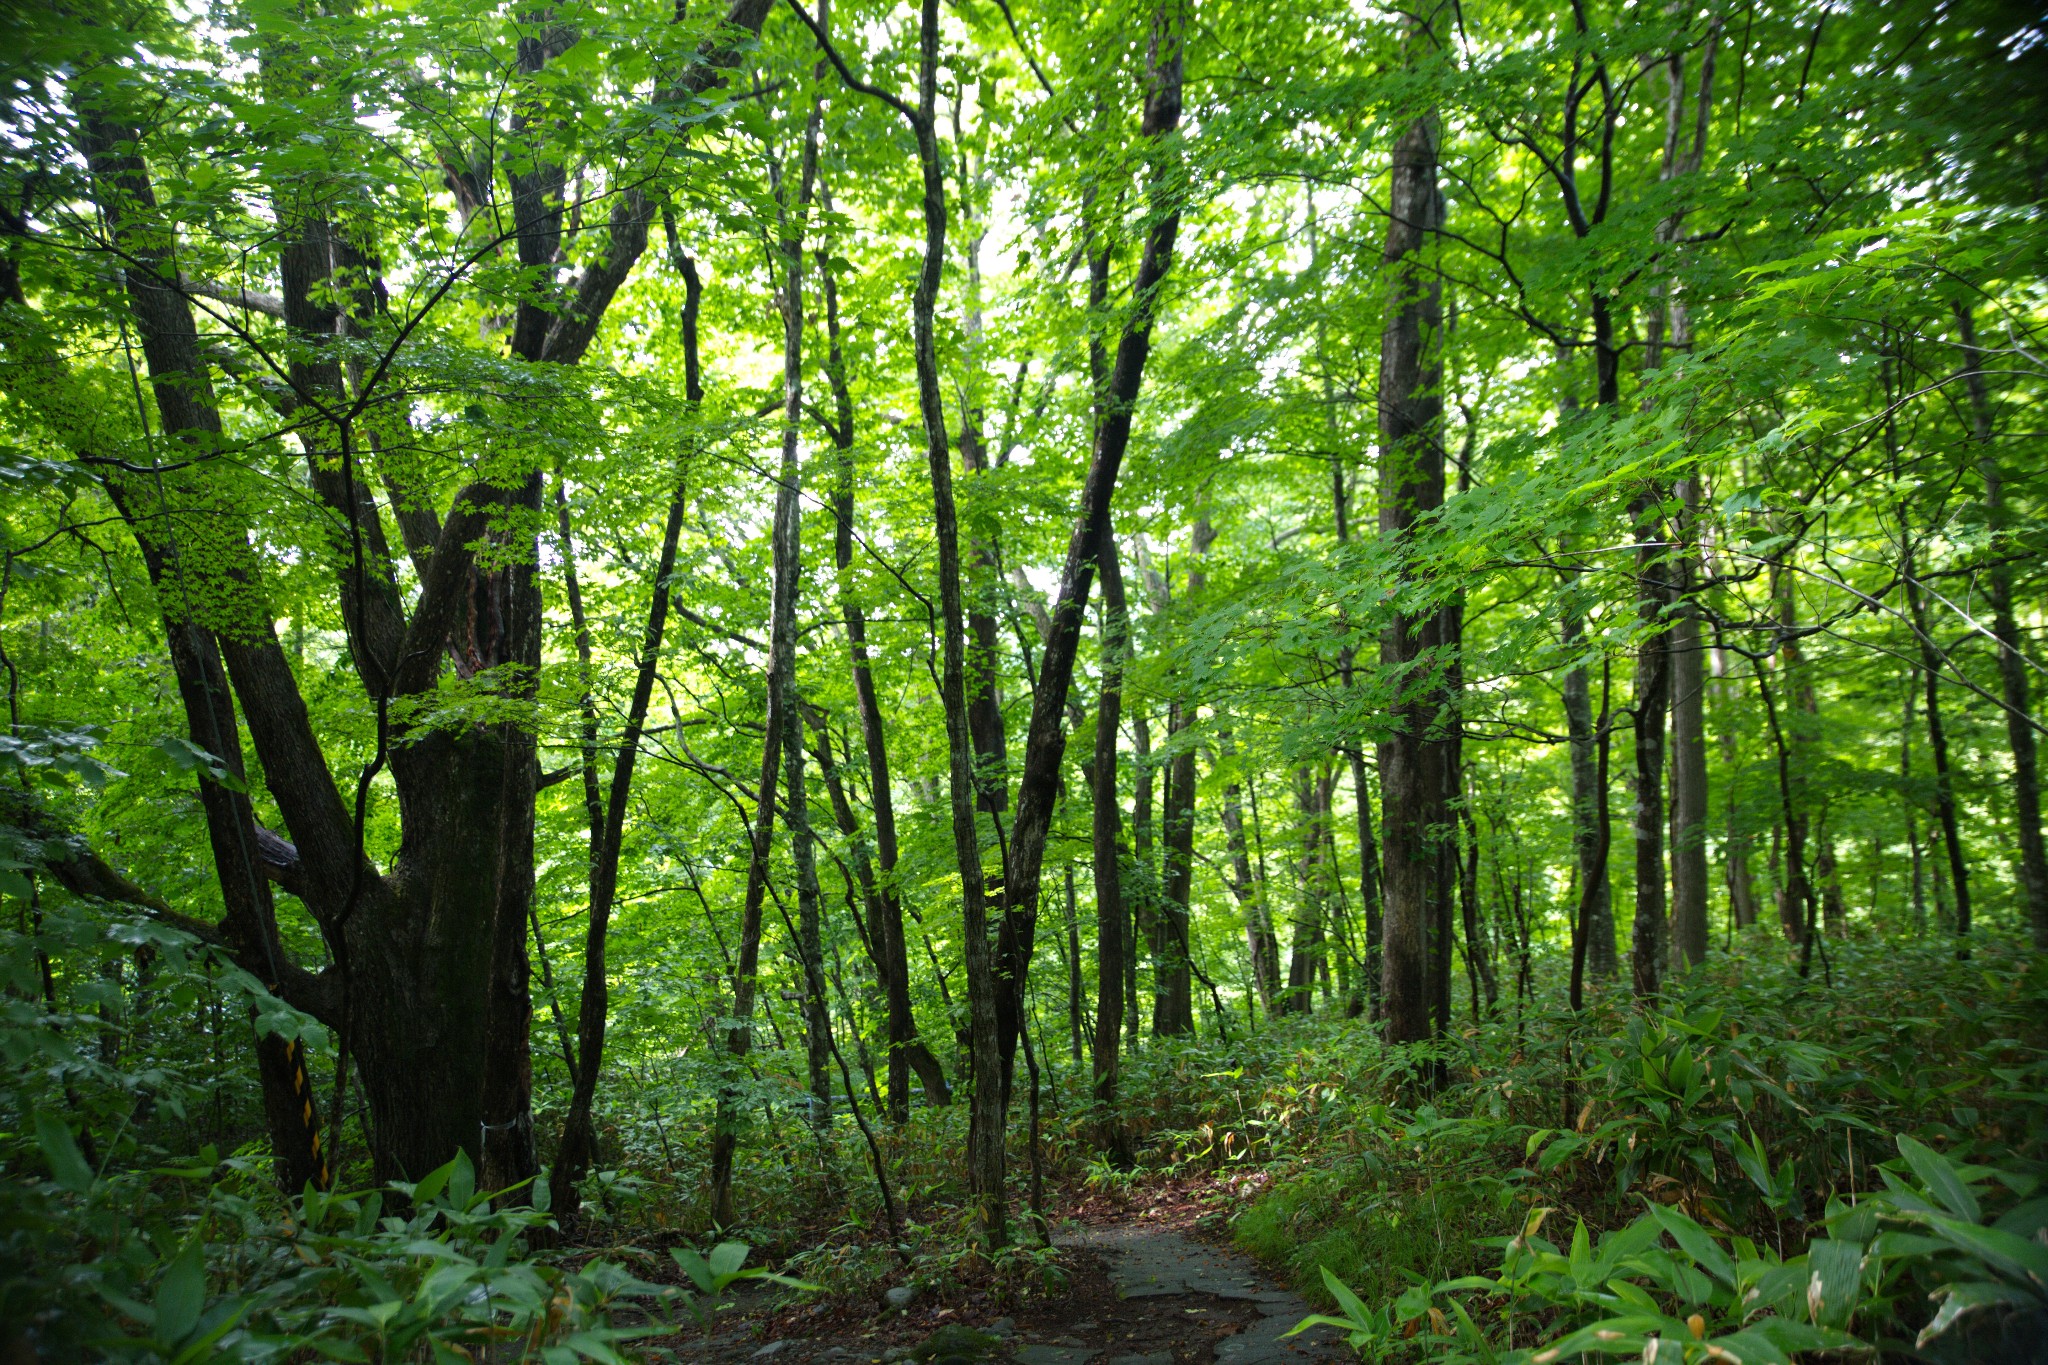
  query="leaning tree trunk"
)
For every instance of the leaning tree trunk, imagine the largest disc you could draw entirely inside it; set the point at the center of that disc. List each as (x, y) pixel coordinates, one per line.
(1045, 743)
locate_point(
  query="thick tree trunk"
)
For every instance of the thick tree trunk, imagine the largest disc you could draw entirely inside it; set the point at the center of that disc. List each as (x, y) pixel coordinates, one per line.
(430, 993)
(1173, 983)
(1689, 875)
(1652, 706)
(1411, 758)
(1589, 810)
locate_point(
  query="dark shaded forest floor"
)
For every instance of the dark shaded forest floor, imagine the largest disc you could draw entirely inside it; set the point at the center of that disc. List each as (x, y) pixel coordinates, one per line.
(1150, 1279)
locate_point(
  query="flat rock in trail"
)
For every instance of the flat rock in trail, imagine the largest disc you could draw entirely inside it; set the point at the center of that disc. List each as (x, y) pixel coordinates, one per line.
(1163, 1265)
(1158, 1262)
(1140, 1295)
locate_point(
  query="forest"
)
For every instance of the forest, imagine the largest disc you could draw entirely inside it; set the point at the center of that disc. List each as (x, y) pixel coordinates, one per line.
(737, 679)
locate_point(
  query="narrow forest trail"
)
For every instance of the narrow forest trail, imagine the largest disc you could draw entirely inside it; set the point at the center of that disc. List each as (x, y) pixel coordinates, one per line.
(1142, 1292)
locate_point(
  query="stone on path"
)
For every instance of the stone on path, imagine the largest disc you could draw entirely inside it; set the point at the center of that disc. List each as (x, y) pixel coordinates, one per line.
(1055, 1355)
(1158, 1263)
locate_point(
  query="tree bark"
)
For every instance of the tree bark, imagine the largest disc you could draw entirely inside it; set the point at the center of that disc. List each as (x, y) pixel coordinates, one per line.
(1307, 947)
(1937, 749)
(1174, 1009)
(1111, 929)
(907, 1051)
(1589, 809)
(1652, 705)
(1689, 875)
(1261, 947)
(2012, 664)
(1411, 758)
(1045, 743)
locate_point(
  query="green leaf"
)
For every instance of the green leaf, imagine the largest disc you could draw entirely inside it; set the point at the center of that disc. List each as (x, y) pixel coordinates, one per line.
(1835, 1275)
(1696, 1242)
(60, 1149)
(461, 1181)
(691, 1263)
(436, 1180)
(1958, 1299)
(727, 1258)
(188, 757)
(181, 1294)
(1941, 1178)
(2001, 1251)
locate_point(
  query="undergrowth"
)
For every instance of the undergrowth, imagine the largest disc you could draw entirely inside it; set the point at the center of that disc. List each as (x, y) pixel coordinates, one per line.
(1757, 1105)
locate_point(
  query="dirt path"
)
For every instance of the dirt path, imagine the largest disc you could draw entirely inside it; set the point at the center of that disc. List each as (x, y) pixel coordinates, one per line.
(1142, 1294)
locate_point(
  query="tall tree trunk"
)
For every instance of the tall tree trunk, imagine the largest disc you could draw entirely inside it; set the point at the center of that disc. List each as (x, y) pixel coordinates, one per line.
(1688, 767)
(1262, 948)
(818, 1045)
(1076, 993)
(1142, 894)
(1045, 743)
(1937, 749)
(1593, 934)
(1111, 929)
(1742, 902)
(1307, 951)
(1912, 807)
(1411, 758)
(907, 1049)
(1652, 705)
(1589, 811)
(1174, 1010)
(1173, 984)
(577, 1148)
(985, 1115)
(1477, 958)
(2012, 664)
(1683, 649)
